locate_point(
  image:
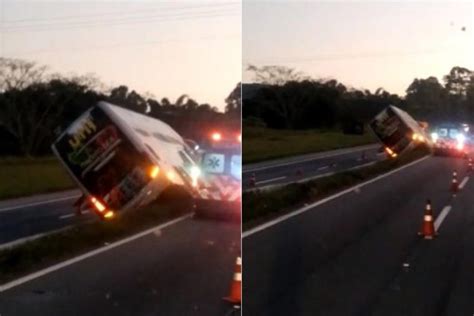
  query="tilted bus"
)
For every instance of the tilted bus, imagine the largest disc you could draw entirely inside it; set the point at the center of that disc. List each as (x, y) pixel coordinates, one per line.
(398, 131)
(121, 159)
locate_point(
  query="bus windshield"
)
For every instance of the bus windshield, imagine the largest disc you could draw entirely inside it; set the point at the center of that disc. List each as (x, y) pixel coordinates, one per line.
(102, 159)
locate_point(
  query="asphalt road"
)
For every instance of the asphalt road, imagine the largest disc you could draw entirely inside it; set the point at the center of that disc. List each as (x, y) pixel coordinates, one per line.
(359, 254)
(297, 168)
(32, 216)
(183, 269)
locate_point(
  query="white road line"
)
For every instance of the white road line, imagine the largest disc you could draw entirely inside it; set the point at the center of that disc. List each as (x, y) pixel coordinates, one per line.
(6, 209)
(322, 168)
(338, 152)
(270, 180)
(69, 262)
(19, 241)
(71, 215)
(463, 182)
(327, 174)
(439, 220)
(325, 200)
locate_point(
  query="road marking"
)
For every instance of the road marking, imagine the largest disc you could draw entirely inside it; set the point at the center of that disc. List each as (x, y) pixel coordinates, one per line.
(19, 241)
(71, 215)
(327, 174)
(439, 220)
(67, 216)
(340, 152)
(270, 180)
(322, 168)
(325, 200)
(463, 182)
(6, 209)
(69, 262)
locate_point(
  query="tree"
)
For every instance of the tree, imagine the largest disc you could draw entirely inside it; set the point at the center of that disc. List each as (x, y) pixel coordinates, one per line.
(427, 98)
(33, 113)
(275, 75)
(234, 102)
(458, 80)
(18, 74)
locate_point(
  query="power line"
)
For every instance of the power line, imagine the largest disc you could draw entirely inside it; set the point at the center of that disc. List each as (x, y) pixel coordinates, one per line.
(121, 21)
(67, 17)
(336, 56)
(115, 45)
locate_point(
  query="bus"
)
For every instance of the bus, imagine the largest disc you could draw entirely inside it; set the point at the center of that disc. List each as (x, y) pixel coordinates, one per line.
(122, 160)
(221, 178)
(397, 131)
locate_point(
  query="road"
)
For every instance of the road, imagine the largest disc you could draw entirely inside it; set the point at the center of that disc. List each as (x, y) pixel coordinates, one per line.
(182, 269)
(297, 168)
(359, 253)
(26, 217)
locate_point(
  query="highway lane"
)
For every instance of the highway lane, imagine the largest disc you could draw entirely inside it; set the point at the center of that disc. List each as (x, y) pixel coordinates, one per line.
(297, 168)
(26, 217)
(183, 269)
(345, 257)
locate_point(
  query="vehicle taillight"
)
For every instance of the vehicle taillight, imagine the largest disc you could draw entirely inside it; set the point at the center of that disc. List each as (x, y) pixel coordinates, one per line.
(216, 136)
(98, 205)
(155, 170)
(109, 214)
(391, 152)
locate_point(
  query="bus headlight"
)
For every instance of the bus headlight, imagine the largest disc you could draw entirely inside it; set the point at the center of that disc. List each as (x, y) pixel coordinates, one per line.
(155, 170)
(195, 174)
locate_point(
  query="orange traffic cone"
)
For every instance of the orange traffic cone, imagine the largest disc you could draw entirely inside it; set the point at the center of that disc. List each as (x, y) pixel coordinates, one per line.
(469, 164)
(235, 296)
(253, 180)
(454, 183)
(427, 229)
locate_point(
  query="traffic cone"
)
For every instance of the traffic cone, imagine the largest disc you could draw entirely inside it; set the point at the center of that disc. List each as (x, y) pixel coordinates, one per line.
(427, 229)
(469, 164)
(235, 296)
(253, 180)
(454, 183)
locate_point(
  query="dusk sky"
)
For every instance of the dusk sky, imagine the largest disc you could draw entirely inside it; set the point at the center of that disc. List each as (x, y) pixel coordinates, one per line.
(362, 44)
(166, 48)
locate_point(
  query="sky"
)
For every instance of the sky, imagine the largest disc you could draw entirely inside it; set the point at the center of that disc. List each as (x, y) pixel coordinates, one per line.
(364, 45)
(164, 48)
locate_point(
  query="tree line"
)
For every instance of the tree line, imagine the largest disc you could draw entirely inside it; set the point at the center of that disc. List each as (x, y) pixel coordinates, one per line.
(35, 106)
(282, 98)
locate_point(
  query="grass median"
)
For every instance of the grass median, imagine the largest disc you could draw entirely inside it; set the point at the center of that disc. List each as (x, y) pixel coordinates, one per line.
(262, 144)
(45, 251)
(261, 206)
(23, 177)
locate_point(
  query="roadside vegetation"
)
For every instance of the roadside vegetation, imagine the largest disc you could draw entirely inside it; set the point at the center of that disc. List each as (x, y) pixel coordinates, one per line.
(263, 143)
(24, 176)
(48, 250)
(261, 206)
